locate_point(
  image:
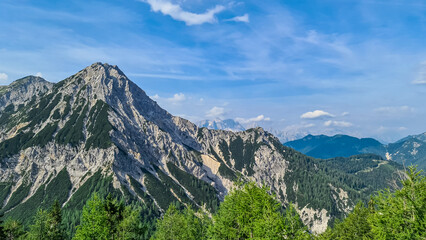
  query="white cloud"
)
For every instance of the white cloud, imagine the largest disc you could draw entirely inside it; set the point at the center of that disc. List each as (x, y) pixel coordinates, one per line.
(156, 97)
(316, 114)
(402, 128)
(3, 77)
(216, 112)
(394, 109)
(331, 123)
(177, 13)
(421, 77)
(344, 114)
(39, 74)
(176, 99)
(245, 18)
(251, 120)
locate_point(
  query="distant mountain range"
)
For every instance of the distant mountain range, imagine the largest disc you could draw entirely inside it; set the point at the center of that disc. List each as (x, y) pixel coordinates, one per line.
(407, 151)
(218, 124)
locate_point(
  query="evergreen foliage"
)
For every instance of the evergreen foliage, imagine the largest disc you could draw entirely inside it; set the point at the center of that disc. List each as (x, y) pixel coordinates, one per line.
(42, 137)
(4, 192)
(67, 109)
(56, 230)
(40, 228)
(401, 214)
(13, 145)
(108, 219)
(72, 133)
(42, 112)
(390, 215)
(47, 224)
(203, 192)
(178, 190)
(2, 234)
(354, 226)
(56, 115)
(20, 193)
(182, 225)
(98, 183)
(149, 211)
(159, 191)
(250, 212)
(99, 126)
(6, 113)
(243, 153)
(57, 189)
(13, 229)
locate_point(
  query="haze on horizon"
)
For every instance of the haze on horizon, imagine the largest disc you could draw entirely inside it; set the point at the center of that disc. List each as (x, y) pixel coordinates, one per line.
(355, 67)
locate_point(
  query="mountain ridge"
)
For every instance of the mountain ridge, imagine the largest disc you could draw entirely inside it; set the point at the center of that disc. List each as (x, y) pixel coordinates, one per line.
(407, 151)
(97, 131)
(218, 124)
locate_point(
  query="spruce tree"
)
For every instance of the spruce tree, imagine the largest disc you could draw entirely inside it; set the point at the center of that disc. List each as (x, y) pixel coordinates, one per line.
(181, 225)
(55, 227)
(2, 235)
(250, 212)
(109, 219)
(13, 229)
(39, 229)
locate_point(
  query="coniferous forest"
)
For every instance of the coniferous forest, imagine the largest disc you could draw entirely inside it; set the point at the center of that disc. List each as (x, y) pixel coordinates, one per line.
(249, 211)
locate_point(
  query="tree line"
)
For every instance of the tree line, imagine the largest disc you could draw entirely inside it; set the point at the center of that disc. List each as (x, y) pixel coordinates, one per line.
(247, 212)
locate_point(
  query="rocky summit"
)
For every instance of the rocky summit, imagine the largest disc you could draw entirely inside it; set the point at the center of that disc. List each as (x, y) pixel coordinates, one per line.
(97, 131)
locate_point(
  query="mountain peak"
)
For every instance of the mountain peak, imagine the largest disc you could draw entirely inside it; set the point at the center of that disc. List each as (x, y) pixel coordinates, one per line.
(100, 71)
(19, 91)
(26, 80)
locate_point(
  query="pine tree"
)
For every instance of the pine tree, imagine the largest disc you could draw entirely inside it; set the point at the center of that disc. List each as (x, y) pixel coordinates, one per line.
(181, 225)
(2, 235)
(401, 214)
(13, 229)
(250, 212)
(93, 223)
(109, 219)
(354, 226)
(39, 229)
(55, 227)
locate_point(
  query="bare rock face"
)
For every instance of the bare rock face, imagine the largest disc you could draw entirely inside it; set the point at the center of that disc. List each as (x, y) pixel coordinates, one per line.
(99, 121)
(23, 90)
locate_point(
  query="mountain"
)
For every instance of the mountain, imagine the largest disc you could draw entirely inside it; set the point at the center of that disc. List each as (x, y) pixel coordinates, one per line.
(218, 124)
(322, 146)
(409, 150)
(97, 131)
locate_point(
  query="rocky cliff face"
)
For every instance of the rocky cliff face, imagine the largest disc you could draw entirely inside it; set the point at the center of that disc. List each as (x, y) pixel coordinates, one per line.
(97, 130)
(23, 90)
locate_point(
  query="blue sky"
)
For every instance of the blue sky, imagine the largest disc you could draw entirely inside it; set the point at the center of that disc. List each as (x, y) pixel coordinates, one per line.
(300, 66)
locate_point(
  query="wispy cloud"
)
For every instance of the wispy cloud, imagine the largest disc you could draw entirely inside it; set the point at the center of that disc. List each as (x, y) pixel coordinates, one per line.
(394, 110)
(216, 112)
(165, 76)
(177, 98)
(252, 120)
(3, 78)
(244, 18)
(176, 12)
(317, 114)
(421, 76)
(331, 123)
